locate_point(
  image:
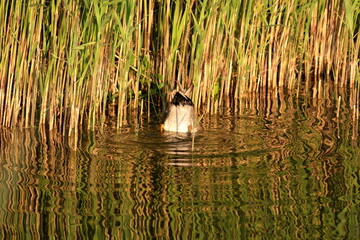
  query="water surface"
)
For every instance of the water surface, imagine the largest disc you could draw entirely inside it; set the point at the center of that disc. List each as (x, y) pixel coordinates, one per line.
(285, 169)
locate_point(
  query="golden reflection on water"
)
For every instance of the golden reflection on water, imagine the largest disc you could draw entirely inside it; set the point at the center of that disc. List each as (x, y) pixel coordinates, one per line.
(37, 185)
(283, 168)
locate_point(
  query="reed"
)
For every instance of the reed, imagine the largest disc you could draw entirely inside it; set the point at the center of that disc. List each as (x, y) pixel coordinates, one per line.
(66, 64)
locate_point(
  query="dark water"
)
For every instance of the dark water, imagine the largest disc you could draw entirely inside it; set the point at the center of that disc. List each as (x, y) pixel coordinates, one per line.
(284, 169)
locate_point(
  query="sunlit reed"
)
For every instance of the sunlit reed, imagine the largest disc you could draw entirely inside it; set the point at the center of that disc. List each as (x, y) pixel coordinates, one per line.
(66, 64)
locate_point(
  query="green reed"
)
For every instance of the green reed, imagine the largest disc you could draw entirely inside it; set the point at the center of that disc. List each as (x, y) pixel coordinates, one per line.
(66, 64)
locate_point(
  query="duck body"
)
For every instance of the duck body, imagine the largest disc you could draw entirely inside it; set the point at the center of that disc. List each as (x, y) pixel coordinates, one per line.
(181, 117)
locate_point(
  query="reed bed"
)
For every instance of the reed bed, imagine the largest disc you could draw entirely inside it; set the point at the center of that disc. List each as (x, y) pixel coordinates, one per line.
(66, 64)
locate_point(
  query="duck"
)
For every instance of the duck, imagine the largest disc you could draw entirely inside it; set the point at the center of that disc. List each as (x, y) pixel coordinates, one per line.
(181, 114)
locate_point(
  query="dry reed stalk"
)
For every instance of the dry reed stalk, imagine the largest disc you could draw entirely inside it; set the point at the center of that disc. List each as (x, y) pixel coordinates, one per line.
(64, 63)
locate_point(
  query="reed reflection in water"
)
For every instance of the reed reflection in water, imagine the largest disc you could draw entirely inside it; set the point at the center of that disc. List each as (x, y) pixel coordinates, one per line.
(277, 169)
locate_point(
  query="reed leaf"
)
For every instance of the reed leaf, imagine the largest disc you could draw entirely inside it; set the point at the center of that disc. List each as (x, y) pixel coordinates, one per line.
(67, 64)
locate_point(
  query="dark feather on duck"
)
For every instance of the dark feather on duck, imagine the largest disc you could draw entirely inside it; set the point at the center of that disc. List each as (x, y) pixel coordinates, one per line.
(181, 99)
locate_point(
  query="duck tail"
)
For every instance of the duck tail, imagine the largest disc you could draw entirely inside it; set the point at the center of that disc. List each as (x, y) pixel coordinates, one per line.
(181, 99)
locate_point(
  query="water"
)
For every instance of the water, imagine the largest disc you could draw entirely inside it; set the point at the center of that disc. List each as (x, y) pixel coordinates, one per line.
(287, 169)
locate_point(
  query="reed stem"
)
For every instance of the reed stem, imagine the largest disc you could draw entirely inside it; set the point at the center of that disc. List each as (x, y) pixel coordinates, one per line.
(64, 64)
